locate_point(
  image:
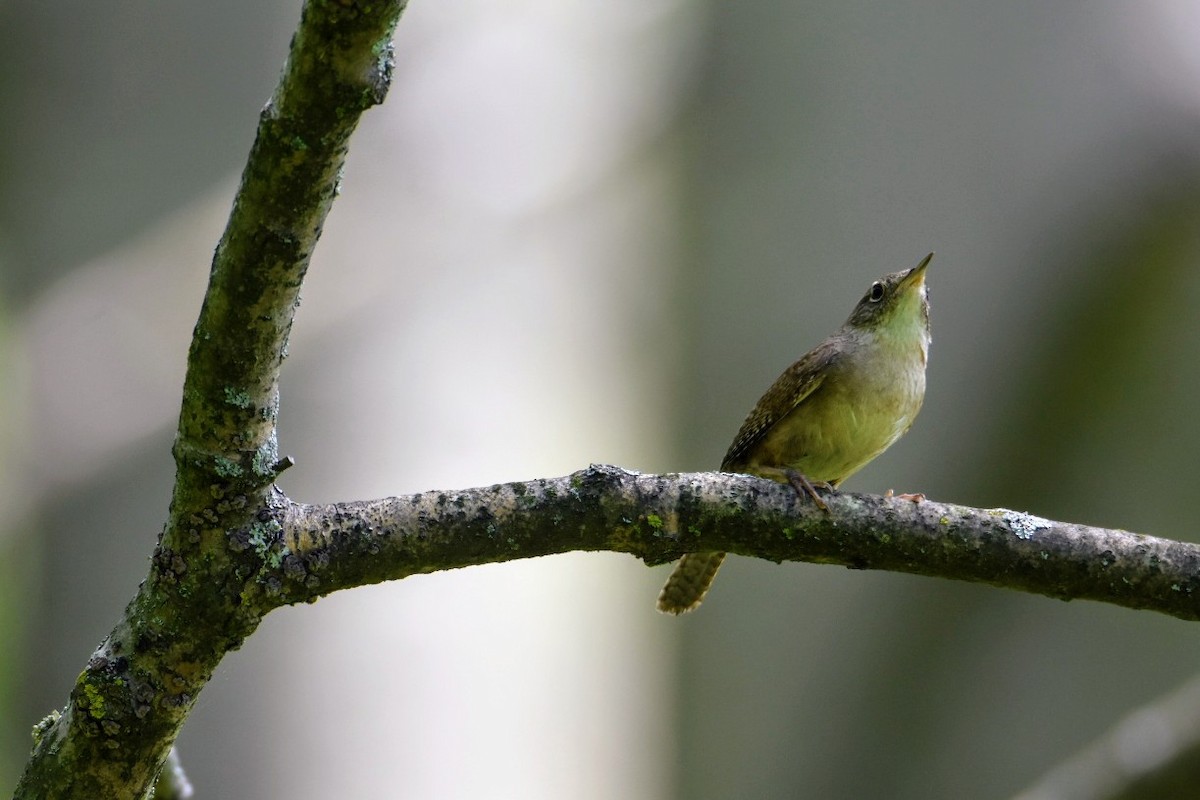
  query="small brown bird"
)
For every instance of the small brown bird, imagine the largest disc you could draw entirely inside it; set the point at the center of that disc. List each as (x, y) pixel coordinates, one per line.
(833, 411)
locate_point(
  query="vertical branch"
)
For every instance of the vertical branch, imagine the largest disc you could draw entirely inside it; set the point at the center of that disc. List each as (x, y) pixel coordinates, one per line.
(128, 704)
(339, 65)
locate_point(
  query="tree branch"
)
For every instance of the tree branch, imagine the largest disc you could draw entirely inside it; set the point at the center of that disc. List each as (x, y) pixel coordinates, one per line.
(128, 704)
(657, 518)
(1153, 753)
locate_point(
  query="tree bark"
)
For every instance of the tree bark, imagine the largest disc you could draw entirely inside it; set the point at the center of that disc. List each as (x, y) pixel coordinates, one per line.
(129, 702)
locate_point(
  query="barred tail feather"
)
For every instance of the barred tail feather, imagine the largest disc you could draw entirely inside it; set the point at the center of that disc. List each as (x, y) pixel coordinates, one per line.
(689, 582)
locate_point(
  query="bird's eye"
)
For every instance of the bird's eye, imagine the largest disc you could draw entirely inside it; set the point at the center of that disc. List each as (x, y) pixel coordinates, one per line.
(876, 293)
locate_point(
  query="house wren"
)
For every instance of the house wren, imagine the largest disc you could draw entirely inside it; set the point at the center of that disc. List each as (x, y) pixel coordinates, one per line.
(842, 404)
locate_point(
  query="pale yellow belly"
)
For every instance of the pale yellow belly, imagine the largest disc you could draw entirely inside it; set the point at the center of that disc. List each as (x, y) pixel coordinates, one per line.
(837, 429)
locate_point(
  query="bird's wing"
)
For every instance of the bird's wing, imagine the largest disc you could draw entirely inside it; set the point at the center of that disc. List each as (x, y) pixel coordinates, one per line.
(789, 390)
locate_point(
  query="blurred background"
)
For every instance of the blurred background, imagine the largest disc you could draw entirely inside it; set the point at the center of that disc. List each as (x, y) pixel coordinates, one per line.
(584, 231)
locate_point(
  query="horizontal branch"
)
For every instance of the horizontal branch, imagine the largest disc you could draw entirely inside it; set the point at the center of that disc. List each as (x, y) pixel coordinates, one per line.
(657, 518)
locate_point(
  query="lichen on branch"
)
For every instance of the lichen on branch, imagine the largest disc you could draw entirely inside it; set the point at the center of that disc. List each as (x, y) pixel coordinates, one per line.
(113, 737)
(657, 518)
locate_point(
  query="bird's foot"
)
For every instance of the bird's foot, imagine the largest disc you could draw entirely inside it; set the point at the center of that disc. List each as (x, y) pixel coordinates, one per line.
(804, 486)
(917, 497)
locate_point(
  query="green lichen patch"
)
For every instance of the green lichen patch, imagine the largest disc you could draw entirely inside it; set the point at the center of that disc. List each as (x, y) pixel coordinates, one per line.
(93, 699)
(238, 398)
(227, 468)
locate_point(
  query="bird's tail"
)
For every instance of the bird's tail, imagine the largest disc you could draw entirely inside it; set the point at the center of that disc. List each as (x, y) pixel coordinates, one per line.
(689, 582)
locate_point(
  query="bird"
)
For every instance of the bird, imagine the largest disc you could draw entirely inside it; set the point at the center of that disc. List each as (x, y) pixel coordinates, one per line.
(831, 413)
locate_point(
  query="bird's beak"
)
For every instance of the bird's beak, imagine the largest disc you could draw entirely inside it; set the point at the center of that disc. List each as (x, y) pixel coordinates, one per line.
(916, 275)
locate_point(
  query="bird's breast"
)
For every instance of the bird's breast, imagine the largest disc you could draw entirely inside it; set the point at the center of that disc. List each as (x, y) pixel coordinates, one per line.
(861, 408)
